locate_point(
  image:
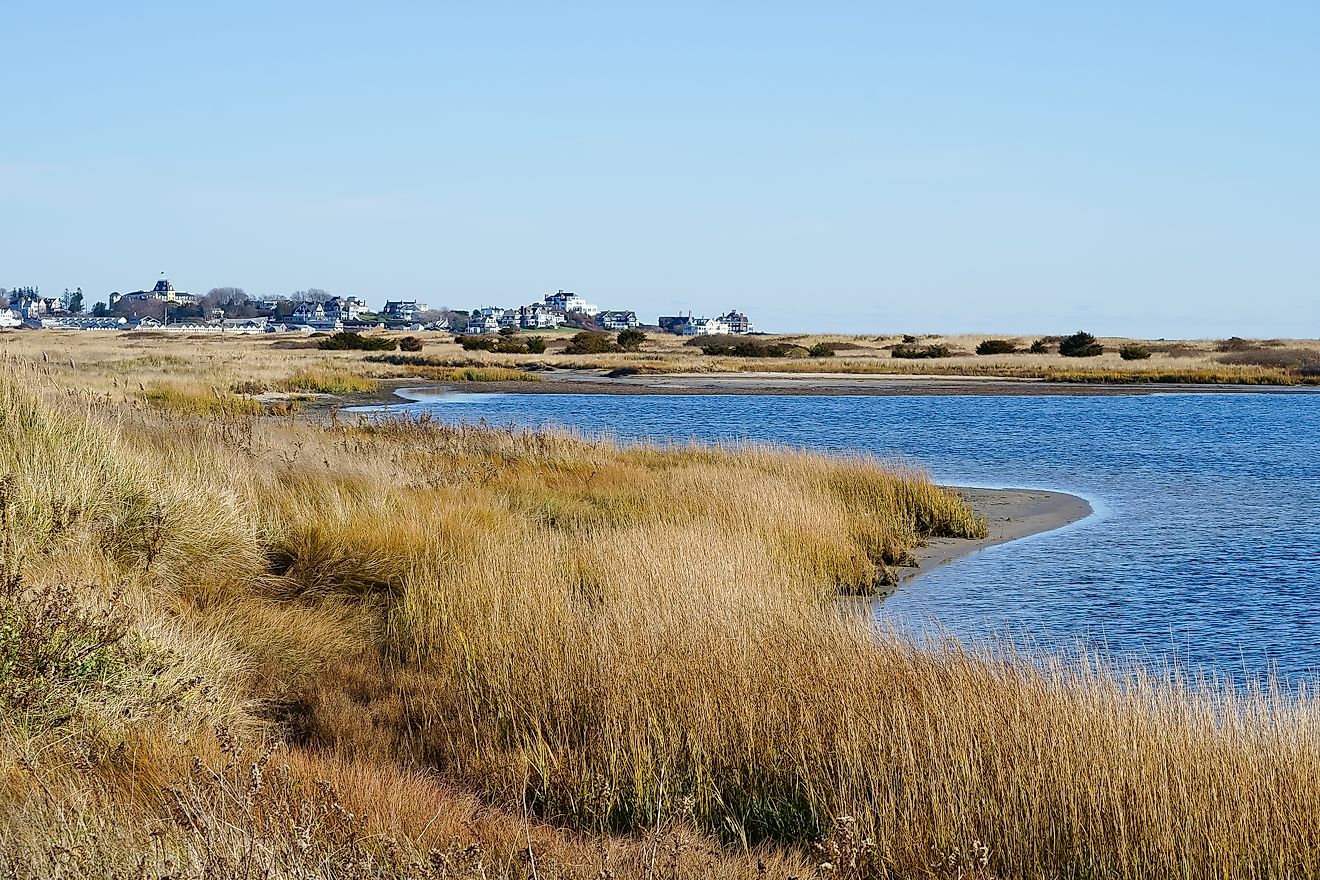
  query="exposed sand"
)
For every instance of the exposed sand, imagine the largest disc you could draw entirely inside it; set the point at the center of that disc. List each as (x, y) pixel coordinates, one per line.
(1010, 514)
(843, 384)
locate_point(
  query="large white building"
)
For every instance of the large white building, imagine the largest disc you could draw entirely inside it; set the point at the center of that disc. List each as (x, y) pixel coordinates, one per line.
(569, 303)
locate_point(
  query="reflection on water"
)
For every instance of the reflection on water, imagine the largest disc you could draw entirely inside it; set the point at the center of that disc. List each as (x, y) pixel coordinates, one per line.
(1203, 542)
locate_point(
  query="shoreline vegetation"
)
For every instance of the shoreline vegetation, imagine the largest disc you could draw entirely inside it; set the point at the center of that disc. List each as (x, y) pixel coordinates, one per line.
(253, 639)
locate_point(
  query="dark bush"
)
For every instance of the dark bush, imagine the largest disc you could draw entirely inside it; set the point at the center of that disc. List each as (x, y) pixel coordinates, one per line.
(508, 331)
(410, 343)
(909, 340)
(996, 346)
(1080, 345)
(1235, 343)
(587, 342)
(535, 345)
(349, 341)
(1134, 353)
(822, 350)
(477, 343)
(750, 348)
(499, 344)
(1040, 346)
(630, 339)
(920, 352)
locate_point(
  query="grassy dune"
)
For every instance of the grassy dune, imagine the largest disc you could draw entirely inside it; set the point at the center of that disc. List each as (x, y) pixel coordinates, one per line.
(499, 653)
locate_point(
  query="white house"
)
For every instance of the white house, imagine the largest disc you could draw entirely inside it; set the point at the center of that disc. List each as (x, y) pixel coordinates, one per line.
(569, 303)
(244, 325)
(80, 322)
(705, 327)
(617, 320)
(484, 321)
(538, 316)
(402, 310)
(10, 319)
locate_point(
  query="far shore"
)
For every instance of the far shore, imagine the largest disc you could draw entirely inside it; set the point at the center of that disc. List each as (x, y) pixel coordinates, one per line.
(1010, 514)
(804, 385)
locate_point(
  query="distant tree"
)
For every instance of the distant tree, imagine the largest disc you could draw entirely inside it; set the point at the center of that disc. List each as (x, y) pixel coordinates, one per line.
(630, 339)
(1080, 345)
(587, 342)
(72, 302)
(996, 346)
(233, 302)
(312, 294)
(99, 310)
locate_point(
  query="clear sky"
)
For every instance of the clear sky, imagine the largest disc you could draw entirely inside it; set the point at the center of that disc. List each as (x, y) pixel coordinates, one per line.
(1130, 168)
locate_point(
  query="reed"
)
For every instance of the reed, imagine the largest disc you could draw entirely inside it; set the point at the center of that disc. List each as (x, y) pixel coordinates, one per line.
(570, 653)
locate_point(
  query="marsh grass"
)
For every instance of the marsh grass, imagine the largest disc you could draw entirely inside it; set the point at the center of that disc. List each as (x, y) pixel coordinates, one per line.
(596, 656)
(197, 401)
(329, 382)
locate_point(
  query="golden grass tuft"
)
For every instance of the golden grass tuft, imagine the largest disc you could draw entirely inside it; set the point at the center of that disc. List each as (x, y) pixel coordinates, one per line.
(329, 382)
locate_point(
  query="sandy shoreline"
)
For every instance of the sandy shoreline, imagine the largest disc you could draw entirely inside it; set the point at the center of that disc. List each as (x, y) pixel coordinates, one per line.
(841, 384)
(1010, 514)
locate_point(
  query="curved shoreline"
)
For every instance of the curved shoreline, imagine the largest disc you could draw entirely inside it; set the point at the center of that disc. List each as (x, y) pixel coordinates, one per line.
(1010, 515)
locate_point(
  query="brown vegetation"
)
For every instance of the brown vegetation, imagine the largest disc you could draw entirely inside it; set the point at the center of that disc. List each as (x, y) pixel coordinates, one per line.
(513, 653)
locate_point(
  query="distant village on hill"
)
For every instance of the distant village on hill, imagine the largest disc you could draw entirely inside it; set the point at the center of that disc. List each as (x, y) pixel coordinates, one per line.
(231, 310)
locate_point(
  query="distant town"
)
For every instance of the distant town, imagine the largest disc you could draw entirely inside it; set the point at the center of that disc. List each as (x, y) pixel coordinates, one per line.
(230, 310)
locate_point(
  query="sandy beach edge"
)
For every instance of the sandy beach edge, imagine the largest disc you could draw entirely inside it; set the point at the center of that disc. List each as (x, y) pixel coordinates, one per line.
(1010, 515)
(812, 384)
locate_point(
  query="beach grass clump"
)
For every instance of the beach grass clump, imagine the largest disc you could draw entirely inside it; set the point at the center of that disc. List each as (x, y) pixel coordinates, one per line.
(329, 382)
(195, 400)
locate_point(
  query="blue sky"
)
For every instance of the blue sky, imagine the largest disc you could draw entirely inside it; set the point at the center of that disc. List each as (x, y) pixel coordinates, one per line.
(1128, 168)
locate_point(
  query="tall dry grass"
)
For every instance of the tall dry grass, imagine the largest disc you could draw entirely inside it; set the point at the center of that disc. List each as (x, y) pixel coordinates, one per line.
(643, 644)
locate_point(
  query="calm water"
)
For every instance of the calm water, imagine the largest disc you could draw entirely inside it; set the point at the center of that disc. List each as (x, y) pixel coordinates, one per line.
(1203, 543)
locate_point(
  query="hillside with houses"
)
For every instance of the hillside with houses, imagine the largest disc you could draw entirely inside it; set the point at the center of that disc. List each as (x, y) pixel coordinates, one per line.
(163, 308)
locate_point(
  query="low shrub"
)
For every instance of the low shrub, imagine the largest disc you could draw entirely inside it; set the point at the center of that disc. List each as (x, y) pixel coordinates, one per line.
(909, 339)
(996, 346)
(1080, 345)
(630, 339)
(588, 342)
(502, 344)
(822, 350)
(349, 341)
(1134, 353)
(410, 343)
(1040, 346)
(920, 352)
